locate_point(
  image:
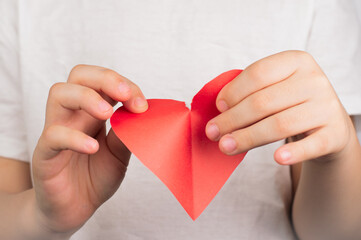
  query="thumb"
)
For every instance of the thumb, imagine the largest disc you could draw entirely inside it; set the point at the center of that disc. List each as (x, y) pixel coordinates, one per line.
(108, 165)
(117, 148)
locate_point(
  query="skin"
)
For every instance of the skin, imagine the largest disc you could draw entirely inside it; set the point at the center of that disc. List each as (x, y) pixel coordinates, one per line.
(287, 95)
(77, 167)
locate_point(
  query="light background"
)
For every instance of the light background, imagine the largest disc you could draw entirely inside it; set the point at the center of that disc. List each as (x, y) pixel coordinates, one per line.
(358, 6)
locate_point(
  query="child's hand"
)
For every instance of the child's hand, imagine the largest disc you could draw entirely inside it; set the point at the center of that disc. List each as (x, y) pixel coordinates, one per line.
(281, 96)
(76, 166)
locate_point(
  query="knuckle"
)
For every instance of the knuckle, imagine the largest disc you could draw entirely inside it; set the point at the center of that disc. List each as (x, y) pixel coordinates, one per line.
(323, 144)
(260, 102)
(55, 89)
(77, 67)
(306, 59)
(318, 79)
(255, 72)
(322, 83)
(111, 75)
(86, 94)
(302, 55)
(74, 72)
(132, 86)
(49, 133)
(335, 106)
(283, 125)
(302, 58)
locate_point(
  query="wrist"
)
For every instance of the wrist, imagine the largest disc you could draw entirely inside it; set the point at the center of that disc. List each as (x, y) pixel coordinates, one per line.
(34, 223)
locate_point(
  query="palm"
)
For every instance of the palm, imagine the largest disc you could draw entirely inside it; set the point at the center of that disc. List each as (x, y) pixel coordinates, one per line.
(74, 185)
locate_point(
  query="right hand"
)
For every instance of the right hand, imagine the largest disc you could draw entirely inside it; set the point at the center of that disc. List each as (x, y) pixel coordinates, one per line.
(76, 165)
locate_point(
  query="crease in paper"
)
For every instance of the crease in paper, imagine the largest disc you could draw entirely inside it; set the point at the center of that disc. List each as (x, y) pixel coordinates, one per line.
(170, 140)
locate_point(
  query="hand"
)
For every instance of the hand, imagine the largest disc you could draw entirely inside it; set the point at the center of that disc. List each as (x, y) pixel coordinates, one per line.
(76, 166)
(281, 96)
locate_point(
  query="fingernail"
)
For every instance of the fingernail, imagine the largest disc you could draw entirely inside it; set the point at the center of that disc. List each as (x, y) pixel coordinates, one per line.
(140, 102)
(212, 131)
(286, 156)
(222, 106)
(228, 144)
(123, 88)
(104, 106)
(91, 144)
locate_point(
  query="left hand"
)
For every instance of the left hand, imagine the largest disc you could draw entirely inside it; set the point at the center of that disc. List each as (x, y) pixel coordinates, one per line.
(280, 96)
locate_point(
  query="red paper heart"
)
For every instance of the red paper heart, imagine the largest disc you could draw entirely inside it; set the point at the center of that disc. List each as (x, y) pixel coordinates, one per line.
(170, 140)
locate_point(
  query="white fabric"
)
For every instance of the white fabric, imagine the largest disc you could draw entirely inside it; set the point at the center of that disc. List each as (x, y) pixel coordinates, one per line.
(171, 49)
(358, 8)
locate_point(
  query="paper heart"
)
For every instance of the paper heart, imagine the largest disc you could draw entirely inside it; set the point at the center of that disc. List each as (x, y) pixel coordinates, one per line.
(170, 140)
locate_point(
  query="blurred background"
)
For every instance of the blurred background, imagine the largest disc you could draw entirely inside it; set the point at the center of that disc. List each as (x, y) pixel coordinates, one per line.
(358, 4)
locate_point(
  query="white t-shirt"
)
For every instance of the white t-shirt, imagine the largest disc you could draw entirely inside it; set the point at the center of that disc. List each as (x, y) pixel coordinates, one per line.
(171, 49)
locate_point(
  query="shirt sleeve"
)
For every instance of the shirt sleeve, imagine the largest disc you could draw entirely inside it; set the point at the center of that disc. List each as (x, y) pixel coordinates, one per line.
(13, 143)
(335, 43)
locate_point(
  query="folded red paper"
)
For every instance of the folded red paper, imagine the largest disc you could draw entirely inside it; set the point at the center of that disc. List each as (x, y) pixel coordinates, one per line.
(170, 140)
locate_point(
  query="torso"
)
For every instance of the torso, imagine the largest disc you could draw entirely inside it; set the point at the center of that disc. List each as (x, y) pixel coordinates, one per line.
(170, 49)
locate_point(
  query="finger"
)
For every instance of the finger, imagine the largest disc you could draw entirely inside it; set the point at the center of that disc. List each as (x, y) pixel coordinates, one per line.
(66, 96)
(259, 75)
(293, 121)
(57, 138)
(311, 147)
(110, 83)
(258, 106)
(108, 166)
